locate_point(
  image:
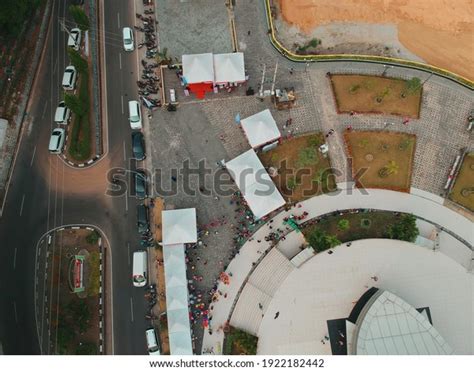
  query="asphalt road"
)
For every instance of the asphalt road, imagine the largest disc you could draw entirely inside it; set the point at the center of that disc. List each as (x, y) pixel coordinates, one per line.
(45, 194)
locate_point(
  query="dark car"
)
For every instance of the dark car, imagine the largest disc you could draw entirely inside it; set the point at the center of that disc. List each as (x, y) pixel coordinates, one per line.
(138, 146)
(141, 188)
(142, 219)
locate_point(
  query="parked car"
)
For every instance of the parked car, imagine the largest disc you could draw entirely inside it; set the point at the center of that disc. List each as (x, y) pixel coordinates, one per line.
(128, 42)
(56, 142)
(152, 342)
(69, 78)
(172, 96)
(62, 114)
(138, 146)
(141, 186)
(142, 219)
(74, 39)
(134, 115)
(140, 268)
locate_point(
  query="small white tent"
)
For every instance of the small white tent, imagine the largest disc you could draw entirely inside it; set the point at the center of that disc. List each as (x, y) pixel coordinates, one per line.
(255, 184)
(179, 226)
(229, 67)
(260, 128)
(198, 68)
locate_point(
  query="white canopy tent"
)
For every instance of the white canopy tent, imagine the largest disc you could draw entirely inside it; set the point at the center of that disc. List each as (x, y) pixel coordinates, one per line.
(179, 226)
(179, 329)
(229, 67)
(255, 184)
(260, 128)
(198, 68)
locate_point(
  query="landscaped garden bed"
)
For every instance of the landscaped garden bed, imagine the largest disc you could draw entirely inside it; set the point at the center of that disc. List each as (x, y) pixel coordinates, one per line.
(302, 171)
(463, 189)
(239, 342)
(381, 159)
(376, 94)
(332, 230)
(75, 314)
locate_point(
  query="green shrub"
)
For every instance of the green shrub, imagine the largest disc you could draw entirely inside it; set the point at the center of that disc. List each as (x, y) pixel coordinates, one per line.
(343, 224)
(244, 340)
(307, 157)
(405, 230)
(92, 238)
(321, 241)
(365, 223)
(94, 274)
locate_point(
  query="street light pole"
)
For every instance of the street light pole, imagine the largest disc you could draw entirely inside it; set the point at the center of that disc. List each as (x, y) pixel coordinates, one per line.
(385, 69)
(429, 77)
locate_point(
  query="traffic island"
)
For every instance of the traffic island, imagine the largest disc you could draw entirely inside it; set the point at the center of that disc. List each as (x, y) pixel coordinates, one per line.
(75, 293)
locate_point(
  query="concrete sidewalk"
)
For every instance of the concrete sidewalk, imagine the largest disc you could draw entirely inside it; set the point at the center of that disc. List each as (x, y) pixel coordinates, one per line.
(242, 264)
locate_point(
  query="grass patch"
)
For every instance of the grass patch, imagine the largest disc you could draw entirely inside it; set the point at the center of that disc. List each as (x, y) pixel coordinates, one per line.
(376, 94)
(302, 170)
(239, 342)
(80, 138)
(363, 225)
(94, 274)
(386, 156)
(463, 190)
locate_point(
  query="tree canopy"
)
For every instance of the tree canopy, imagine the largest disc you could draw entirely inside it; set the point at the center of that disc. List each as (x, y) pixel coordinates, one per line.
(405, 229)
(80, 17)
(14, 13)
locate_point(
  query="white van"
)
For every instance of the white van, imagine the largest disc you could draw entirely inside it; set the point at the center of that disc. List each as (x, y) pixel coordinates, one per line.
(69, 78)
(128, 43)
(74, 39)
(140, 268)
(62, 114)
(152, 343)
(134, 115)
(56, 142)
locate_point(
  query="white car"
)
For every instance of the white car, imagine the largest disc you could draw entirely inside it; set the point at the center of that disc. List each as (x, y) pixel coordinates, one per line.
(172, 96)
(69, 78)
(128, 43)
(134, 115)
(151, 342)
(74, 39)
(56, 142)
(62, 114)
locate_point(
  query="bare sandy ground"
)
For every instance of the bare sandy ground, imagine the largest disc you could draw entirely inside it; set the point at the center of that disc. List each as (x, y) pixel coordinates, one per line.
(441, 32)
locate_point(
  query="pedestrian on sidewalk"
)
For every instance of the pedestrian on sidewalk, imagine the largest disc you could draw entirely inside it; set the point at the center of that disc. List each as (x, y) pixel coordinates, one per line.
(276, 315)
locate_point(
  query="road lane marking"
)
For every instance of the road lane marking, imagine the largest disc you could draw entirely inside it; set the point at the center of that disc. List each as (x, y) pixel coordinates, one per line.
(118, 20)
(44, 110)
(22, 203)
(126, 201)
(131, 307)
(33, 157)
(14, 259)
(128, 248)
(124, 152)
(16, 314)
(121, 100)
(120, 60)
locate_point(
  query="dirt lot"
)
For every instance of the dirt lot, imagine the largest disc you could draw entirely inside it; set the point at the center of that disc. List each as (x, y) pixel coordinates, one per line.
(463, 190)
(372, 94)
(438, 31)
(375, 150)
(306, 175)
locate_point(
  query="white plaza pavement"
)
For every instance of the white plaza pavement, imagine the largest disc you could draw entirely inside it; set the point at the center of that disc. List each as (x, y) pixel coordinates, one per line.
(328, 286)
(251, 251)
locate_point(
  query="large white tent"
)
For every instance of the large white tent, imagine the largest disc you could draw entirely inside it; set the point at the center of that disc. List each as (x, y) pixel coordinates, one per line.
(255, 184)
(260, 128)
(179, 330)
(198, 68)
(229, 67)
(179, 226)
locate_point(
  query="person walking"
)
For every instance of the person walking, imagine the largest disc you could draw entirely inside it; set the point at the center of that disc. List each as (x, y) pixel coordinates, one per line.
(276, 315)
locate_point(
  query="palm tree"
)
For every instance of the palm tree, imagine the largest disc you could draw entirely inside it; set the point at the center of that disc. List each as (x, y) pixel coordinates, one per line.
(389, 169)
(332, 240)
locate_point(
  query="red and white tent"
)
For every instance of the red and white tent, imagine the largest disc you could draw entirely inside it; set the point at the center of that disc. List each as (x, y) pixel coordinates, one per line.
(198, 73)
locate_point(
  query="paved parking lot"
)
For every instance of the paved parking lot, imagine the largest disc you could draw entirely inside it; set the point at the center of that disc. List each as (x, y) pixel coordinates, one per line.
(193, 26)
